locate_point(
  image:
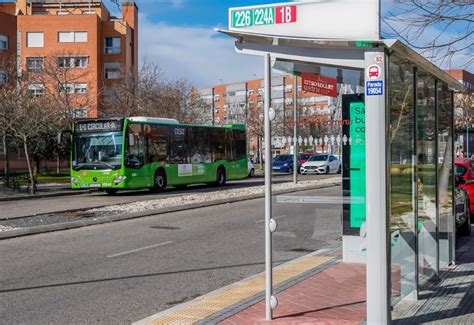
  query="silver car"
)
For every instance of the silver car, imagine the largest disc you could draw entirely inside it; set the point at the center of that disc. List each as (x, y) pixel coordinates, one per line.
(321, 164)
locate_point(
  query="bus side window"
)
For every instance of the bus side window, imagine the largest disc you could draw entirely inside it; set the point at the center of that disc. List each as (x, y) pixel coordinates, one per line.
(178, 153)
(135, 146)
(218, 141)
(198, 144)
(240, 144)
(157, 143)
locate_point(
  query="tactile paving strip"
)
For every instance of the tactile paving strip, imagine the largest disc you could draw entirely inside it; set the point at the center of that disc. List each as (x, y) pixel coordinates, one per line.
(205, 306)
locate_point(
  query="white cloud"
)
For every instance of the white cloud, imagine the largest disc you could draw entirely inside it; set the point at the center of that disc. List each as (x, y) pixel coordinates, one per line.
(177, 3)
(195, 53)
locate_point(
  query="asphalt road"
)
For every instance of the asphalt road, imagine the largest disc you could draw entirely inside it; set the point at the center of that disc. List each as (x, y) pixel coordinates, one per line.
(21, 208)
(125, 271)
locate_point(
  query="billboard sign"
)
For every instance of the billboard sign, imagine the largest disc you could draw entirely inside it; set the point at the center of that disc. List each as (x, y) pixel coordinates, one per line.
(314, 83)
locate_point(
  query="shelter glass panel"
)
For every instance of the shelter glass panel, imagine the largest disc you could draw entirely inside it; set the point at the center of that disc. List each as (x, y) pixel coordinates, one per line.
(402, 180)
(426, 138)
(445, 174)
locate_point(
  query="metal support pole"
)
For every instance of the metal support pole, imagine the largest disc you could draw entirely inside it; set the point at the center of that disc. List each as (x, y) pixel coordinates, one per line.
(295, 129)
(268, 189)
(213, 105)
(377, 199)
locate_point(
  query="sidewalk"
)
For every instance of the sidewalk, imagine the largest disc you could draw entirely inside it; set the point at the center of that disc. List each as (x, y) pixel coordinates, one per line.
(43, 190)
(314, 289)
(451, 300)
(319, 289)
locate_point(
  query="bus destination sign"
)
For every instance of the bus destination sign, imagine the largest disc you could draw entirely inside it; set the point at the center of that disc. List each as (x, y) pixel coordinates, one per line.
(242, 18)
(99, 126)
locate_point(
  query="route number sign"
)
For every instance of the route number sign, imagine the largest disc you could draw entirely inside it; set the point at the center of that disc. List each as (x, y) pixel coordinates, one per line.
(263, 16)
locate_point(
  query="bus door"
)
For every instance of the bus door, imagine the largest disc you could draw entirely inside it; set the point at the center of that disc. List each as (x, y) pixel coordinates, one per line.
(200, 154)
(137, 172)
(180, 170)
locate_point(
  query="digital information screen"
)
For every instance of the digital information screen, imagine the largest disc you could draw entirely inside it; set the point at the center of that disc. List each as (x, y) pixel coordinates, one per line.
(353, 159)
(98, 126)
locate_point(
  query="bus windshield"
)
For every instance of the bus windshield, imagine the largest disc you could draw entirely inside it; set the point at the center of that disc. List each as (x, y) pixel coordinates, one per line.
(98, 151)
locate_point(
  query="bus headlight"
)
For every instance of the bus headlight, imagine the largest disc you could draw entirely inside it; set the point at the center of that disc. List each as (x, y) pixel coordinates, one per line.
(74, 180)
(119, 179)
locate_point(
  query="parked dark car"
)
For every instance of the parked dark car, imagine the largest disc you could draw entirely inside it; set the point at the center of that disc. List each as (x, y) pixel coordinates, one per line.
(462, 215)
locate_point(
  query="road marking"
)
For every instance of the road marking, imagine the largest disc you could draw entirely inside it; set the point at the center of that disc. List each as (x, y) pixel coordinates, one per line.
(139, 249)
(259, 221)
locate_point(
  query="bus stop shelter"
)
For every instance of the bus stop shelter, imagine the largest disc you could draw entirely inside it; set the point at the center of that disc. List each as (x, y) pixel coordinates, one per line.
(398, 181)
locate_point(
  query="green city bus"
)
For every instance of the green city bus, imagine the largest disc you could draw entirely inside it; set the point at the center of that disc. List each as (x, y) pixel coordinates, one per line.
(146, 152)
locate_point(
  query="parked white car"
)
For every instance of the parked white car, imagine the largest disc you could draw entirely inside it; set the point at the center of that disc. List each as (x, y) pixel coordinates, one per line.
(250, 168)
(321, 164)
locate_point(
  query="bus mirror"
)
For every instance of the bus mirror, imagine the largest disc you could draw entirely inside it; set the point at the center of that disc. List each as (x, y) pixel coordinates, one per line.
(131, 139)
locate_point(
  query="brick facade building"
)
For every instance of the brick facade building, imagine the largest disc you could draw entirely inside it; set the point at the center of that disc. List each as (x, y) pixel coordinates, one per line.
(48, 37)
(79, 35)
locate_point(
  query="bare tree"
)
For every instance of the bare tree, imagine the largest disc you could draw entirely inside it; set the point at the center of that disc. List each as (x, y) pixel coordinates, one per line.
(148, 92)
(438, 29)
(8, 90)
(26, 113)
(66, 83)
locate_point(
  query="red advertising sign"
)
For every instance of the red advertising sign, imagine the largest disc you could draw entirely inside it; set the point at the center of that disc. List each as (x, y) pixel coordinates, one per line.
(318, 84)
(285, 14)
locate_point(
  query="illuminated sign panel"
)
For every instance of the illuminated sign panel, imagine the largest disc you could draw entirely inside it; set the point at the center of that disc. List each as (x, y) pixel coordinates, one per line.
(263, 16)
(341, 19)
(99, 126)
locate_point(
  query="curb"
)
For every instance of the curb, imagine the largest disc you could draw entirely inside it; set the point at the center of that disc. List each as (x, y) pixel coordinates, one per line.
(45, 195)
(101, 220)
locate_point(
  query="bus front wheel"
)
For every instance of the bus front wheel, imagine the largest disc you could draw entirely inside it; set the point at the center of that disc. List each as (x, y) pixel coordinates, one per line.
(160, 181)
(221, 176)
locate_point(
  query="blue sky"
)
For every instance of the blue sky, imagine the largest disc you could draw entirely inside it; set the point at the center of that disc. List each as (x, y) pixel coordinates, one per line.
(178, 36)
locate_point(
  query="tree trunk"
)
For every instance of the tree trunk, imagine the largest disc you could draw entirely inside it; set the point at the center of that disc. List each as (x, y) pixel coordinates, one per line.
(30, 170)
(5, 155)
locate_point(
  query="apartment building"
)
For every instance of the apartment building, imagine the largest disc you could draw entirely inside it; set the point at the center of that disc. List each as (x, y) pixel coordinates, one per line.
(464, 77)
(80, 36)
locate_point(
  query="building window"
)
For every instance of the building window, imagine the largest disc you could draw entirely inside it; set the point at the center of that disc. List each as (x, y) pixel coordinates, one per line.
(77, 112)
(3, 77)
(35, 90)
(73, 88)
(112, 45)
(73, 61)
(80, 88)
(35, 39)
(112, 70)
(34, 64)
(3, 42)
(72, 37)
